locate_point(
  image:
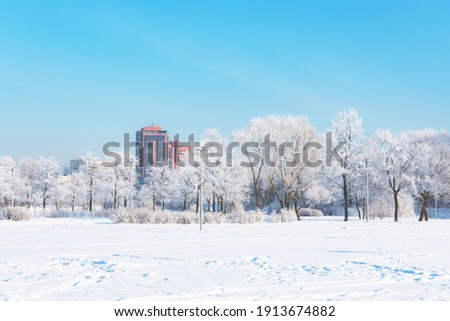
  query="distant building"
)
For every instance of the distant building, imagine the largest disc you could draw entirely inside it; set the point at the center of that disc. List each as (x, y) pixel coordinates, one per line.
(152, 148)
(178, 154)
(66, 171)
(155, 149)
(76, 165)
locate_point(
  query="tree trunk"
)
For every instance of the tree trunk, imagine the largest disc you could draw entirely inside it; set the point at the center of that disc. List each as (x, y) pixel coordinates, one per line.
(286, 198)
(197, 207)
(115, 198)
(44, 197)
(256, 186)
(91, 199)
(266, 195)
(256, 190)
(345, 190)
(90, 204)
(396, 206)
(358, 209)
(280, 198)
(297, 210)
(424, 211)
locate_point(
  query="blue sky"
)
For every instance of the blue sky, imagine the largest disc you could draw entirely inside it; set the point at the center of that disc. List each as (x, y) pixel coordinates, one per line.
(76, 74)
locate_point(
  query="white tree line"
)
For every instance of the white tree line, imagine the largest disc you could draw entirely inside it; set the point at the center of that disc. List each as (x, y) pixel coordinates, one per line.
(405, 171)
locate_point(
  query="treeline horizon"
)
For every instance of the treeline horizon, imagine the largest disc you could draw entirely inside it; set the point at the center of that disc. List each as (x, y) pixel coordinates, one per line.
(401, 173)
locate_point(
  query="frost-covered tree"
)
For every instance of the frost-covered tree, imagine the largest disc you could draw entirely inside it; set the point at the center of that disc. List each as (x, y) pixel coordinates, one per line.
(230, 188)
(92, 173)
(61, 193)
(252, 140)
(161, 180)
(393, 157)
(119, 177)
(12, 185)
(78, 189)
(185, 185)
(295, 176)
(348, 131)
(46, 178)
(104, 186)
(273, 148)
(144, 193)
(358, 193)
(310, 189)
(431, 163)
(225, 184)
(29, 169)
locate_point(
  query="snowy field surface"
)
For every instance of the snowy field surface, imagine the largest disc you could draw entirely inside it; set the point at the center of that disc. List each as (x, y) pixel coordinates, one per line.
(316, 259)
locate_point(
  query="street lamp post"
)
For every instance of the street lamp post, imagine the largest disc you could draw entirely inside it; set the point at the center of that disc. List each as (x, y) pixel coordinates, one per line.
(367, 190)
(92, 193)
(131, 185)
(201, 149)
(90, 172)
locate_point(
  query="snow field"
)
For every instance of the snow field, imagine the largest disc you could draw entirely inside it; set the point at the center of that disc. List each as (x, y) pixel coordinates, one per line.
(316, 259)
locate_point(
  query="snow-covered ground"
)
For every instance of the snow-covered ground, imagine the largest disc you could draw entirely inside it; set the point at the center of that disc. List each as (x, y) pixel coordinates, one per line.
(316, 259)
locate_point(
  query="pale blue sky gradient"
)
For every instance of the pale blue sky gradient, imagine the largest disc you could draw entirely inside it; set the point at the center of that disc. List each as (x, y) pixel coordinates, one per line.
(75, 74)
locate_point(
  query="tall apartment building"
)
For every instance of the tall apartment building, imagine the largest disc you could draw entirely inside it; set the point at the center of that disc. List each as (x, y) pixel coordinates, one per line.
(155, 149)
